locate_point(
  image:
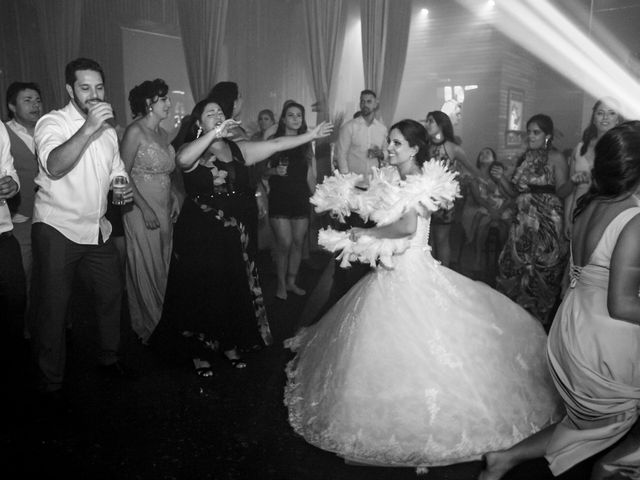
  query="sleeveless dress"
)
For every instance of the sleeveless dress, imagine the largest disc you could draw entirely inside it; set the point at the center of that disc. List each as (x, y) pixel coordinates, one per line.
(289, 194)
(534, 257)
(214, 300)
(149, 251)
(417, 365)
(594, 361)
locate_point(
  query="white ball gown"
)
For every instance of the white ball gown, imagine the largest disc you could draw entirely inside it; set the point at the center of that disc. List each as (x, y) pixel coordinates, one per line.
(419, 366)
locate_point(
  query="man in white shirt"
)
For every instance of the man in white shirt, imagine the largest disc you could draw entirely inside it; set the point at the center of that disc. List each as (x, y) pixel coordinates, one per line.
(12, 283)
(78, 158)
(25, 109)
(362, 140)
(362, 143)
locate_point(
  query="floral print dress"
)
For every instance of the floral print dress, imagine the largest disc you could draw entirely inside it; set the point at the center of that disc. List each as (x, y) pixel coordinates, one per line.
(534, 257)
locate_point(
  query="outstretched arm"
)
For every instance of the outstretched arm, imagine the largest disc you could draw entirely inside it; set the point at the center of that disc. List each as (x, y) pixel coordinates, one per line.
(191, 152)
(254, 152)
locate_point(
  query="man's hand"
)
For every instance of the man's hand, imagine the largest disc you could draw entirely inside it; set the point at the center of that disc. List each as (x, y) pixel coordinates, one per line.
(97, 117)
(8, 187)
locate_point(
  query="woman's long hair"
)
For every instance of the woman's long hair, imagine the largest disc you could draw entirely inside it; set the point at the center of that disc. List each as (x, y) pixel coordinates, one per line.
(444, 122)
(616, 168)
(591, 131)
(416, 136)
(280, 132)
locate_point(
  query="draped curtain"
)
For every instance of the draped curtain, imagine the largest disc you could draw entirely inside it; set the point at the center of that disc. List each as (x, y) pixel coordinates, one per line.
(325, 26)
(202, 26)
(385, 35)
(60, 24)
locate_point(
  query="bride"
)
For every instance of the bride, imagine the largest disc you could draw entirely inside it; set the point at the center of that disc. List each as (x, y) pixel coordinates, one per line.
(416, 365)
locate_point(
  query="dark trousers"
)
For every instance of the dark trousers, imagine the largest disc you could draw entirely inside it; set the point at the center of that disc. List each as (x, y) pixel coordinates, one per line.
(55, 261)
(13, 301)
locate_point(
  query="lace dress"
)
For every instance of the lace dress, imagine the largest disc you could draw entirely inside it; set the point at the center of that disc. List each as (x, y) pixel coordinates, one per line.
(149, 251)
(417, 365)
(594, 363)
(534, 257)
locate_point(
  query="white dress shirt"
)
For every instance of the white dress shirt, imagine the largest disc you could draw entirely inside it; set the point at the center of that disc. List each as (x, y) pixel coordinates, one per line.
(76, 203)
(355, 139)
(6, 168)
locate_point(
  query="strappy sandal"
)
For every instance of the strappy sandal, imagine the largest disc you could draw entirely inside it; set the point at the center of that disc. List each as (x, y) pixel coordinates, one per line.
(237, 363)
(203, 368)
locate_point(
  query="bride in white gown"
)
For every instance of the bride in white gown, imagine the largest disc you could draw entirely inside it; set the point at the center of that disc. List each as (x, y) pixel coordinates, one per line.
(416, 365)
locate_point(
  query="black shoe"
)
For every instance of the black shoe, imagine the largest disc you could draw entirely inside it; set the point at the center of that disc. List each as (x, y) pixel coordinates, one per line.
(118, 371)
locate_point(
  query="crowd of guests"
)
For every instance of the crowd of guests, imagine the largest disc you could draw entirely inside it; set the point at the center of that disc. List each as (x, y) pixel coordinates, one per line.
(195, 210)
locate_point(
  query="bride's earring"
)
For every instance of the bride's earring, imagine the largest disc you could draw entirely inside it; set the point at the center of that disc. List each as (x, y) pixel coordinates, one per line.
(199, 132)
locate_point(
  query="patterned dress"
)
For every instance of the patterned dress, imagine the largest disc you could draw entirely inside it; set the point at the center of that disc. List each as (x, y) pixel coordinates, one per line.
(214, 299)
(534, 257)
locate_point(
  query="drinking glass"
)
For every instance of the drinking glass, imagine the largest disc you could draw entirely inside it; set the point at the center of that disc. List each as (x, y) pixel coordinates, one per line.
(119, 185)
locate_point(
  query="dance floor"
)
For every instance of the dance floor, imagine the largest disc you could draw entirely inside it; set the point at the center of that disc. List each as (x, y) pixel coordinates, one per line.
(171, 424)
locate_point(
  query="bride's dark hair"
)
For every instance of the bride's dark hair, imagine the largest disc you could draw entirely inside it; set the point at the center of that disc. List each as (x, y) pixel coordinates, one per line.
(616, 167)
(416, 136)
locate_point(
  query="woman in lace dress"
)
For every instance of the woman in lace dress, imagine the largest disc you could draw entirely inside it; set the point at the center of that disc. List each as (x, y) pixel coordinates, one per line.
(533, 259)
(214, 301)
(149, 159)
(416, 365)
(594, 343)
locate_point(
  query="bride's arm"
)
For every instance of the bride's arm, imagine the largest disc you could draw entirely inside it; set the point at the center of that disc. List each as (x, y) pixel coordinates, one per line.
(403, 227)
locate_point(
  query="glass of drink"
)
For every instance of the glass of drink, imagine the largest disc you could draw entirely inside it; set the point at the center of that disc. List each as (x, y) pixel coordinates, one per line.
(284, 162)
(119, 185)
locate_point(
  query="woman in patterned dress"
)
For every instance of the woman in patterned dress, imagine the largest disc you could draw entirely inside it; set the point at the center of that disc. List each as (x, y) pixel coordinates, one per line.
(214, 300)
(533, 259)
(594, 343)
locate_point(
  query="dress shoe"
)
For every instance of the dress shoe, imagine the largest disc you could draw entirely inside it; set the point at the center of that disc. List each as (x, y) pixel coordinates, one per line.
(118, 371)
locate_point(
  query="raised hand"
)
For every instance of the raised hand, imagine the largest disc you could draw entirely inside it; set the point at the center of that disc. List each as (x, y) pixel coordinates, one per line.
(322, 130)
(97, 116)
(224, 129)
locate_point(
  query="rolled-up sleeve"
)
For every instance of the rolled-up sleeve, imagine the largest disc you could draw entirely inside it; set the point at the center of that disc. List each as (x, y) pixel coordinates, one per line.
(6, 160)
(49, 134)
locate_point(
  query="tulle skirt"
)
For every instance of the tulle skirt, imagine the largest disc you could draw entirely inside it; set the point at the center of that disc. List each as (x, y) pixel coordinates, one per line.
(420, 366)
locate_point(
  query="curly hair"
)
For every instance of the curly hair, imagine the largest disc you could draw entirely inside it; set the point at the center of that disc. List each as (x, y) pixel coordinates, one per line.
(150, 90)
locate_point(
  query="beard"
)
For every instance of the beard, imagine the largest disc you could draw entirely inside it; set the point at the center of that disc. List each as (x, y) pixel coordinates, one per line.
(84, 106)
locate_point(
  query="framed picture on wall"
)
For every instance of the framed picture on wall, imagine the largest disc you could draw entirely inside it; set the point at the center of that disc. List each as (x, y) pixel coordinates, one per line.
(513, 138)
(515, 110)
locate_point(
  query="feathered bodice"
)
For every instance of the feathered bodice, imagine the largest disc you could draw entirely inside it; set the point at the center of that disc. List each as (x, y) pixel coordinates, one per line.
(388, 198)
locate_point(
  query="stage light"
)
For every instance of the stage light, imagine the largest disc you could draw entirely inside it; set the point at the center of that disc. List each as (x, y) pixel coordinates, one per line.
(424, 12)
(547, 33)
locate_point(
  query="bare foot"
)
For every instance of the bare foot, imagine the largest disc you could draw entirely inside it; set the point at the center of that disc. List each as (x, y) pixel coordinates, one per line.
(293, 288)
(496, 465)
